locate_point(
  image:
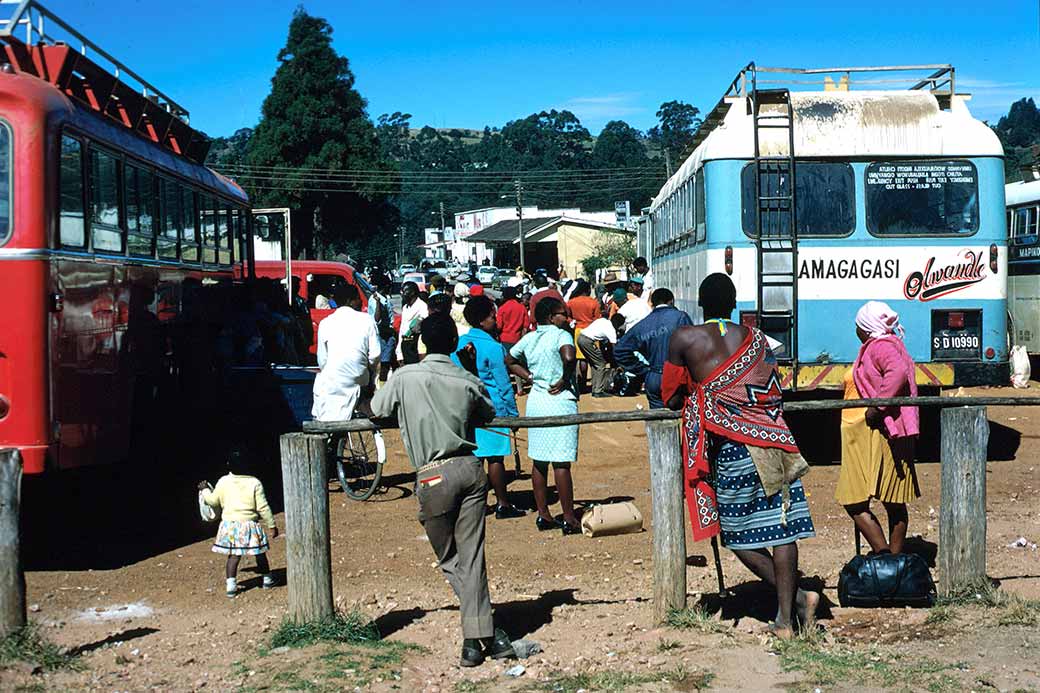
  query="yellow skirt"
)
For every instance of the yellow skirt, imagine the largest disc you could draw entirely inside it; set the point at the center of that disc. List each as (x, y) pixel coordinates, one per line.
(869, 469)
(578, 355)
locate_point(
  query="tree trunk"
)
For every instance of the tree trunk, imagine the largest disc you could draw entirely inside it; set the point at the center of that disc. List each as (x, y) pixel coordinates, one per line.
(962, 504)
(669, 525)
(308, 553)
(12, 580)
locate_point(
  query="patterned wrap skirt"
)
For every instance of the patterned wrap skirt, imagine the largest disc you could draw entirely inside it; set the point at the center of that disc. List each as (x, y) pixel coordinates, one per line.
(241, 538)
(556, 444)
(749, 519)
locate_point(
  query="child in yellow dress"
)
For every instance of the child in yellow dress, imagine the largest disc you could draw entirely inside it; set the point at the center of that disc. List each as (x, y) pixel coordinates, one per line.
(243, 503)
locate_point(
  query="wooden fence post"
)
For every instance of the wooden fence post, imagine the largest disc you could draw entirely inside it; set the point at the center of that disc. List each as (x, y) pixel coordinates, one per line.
(669, 523)
(962, 504)
(12, 579)
(308, 554)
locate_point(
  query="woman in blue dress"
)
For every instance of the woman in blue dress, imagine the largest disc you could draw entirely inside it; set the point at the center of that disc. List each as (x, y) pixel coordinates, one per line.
(551, 359)
(493, 444)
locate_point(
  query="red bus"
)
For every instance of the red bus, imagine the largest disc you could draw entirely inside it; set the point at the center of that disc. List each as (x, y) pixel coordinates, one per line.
(117, 251)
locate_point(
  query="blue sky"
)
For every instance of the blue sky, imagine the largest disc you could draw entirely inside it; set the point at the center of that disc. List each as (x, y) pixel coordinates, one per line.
(470, 64)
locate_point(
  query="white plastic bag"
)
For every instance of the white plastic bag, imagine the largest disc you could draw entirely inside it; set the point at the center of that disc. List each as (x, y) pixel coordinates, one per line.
(1020, 369)
(207, 513)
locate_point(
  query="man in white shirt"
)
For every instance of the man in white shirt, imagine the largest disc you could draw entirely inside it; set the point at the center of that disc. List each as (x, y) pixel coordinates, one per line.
(413, 312)
(348, 356)
(640, 265)
(596, 342)
(633, 309)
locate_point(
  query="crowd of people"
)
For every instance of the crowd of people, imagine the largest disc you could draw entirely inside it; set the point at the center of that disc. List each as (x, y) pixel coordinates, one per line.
(458, 359)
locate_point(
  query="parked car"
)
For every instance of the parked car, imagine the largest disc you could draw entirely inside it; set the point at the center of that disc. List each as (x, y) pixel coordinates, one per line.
(403, 270)
(501, 279)
(486, 273)
(417, 277)
(318, 279)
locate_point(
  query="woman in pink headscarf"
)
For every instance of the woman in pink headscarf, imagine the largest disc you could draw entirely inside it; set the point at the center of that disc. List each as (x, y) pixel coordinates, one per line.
(878, 444)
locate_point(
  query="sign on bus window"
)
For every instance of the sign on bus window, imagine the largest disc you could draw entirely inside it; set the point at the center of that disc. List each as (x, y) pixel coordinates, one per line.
(922, 198)
(71, 228)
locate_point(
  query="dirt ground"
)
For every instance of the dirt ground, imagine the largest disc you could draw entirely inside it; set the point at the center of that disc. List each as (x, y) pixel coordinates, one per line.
(157, 619)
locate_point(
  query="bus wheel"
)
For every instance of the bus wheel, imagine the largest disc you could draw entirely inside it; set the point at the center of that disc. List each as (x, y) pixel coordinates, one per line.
(359, 458)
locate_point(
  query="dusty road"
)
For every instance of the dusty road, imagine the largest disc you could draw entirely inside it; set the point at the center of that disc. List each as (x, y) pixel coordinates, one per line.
(141, 600)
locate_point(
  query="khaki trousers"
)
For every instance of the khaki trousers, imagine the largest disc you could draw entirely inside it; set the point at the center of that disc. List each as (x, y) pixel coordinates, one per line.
(452, 501)
(597, 362)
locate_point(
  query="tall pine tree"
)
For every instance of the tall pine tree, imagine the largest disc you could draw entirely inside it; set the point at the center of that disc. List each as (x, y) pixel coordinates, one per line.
(315, 119)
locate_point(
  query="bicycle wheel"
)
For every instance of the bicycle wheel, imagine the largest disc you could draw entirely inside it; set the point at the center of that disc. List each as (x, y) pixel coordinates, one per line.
(359, 461)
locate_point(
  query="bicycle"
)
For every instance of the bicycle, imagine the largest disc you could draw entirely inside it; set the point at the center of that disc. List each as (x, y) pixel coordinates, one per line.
(359, 457)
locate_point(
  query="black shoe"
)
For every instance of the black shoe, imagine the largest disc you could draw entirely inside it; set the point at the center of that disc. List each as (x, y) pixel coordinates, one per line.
(568, 528)
(508, 512)
(544, 525)
(499, 646)
(472, 653)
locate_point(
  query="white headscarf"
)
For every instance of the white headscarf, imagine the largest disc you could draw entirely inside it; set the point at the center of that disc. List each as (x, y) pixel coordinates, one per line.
(461, 290)
(877, 319)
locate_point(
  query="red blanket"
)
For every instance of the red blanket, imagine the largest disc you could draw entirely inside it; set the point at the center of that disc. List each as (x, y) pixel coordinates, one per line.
(740, 400)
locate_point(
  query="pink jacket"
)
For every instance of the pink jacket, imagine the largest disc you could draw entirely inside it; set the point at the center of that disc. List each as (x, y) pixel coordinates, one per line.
(885, 369)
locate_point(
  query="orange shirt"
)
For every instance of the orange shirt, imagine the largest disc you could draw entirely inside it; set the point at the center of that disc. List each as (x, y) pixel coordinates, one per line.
(851, 416)
(584, 310)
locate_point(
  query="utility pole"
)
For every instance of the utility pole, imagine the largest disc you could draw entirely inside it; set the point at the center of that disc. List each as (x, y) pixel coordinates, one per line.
(445, 251)
(520, 219)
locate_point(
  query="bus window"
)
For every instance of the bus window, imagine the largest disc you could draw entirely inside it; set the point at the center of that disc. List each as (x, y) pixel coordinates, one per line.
(699, 216)
(71, 229)
(825, 198)
(223, 235)
(190, 231)
(5, 181)
(209, 229)
(920, 198)
(140, 206)
(171, 219)
(1025, 222)
(104, 202)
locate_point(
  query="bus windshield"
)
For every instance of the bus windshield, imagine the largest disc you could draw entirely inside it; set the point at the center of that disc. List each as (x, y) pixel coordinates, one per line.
(5, 181)
(922, 198)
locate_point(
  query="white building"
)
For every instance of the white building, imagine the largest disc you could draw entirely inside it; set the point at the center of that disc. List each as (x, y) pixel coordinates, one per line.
(470, 222)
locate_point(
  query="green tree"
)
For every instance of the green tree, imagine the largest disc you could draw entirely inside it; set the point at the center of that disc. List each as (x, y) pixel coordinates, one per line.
(393, 131)
(315, 120)
(678, 122)
(1019, 133)
(621, 146)
(229, 152)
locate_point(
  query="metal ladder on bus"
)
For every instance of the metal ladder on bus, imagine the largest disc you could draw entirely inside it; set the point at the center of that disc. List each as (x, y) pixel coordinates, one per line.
(775, 223)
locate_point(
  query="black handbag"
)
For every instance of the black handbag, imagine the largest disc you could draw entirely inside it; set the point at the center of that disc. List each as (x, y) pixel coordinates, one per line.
(886, 580)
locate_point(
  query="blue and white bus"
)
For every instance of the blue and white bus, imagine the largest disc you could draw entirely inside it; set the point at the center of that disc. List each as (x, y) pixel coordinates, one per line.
(1023, 224)
(898, 196)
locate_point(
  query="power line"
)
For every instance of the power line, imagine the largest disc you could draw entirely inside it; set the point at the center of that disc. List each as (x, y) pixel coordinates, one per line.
(512, 173)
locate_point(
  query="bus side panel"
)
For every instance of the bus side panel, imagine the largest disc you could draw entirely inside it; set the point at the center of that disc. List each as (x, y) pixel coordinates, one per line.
(1024, 305)
(90, 387)
(23, 372)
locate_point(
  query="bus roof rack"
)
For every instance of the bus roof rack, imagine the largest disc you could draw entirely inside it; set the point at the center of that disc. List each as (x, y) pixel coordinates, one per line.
(937, 78)
(38, 42)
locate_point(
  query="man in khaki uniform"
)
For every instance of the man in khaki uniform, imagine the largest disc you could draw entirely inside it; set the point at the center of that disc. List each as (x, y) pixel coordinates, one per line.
(438, 405)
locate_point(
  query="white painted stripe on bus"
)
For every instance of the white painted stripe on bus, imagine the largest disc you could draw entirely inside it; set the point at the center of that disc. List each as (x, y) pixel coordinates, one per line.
(835, 273)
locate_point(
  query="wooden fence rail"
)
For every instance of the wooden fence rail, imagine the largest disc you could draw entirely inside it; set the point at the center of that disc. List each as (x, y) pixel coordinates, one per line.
(962, 535)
